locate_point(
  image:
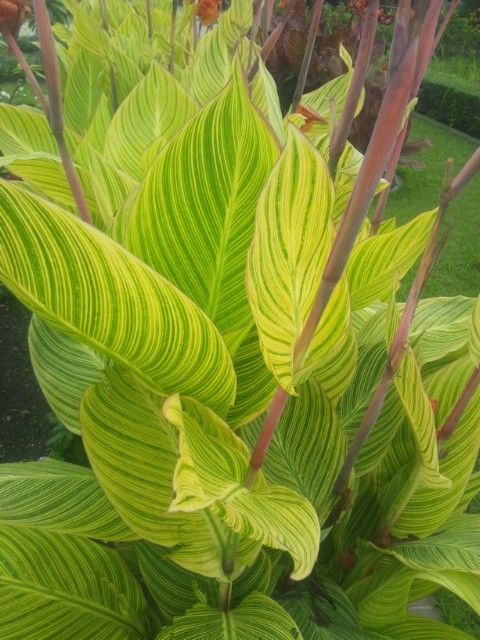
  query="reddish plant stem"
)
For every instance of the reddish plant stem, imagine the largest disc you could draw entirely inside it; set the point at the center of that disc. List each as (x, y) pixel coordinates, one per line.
(451, 10)
(388, 176)
(390, 116)
(33, 82)
(270, 43)
(450, 190)
(401, 34)
(307, 56)
(274, 415)
(362, 61)
(453, 419)
(54, 88)
(427, 43)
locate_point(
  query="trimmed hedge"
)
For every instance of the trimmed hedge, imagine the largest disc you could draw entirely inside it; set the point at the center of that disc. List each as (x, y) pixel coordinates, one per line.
(451, 105)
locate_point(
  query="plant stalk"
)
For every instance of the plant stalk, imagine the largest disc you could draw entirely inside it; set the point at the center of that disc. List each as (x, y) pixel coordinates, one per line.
(224, 596)
(148, 7)
(441, 30)
(254, 32)
(307, 56)
(22, 61)
(401, 34)
(426, 49)
(173, 33)
(362, 62)
(450, 189)
(453, 419)
(54, 88)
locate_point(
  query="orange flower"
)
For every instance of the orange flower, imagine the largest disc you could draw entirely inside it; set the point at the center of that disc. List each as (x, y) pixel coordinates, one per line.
(208, 11)
(311, 116)
(13, 13)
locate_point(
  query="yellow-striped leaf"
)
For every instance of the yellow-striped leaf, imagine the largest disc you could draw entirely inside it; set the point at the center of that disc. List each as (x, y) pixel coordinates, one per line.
(423, 629)
(330, 97)
(210, 67)
(474, 334)
(418, 409)
(60, 586)
(377, 261)
(85, 284)
(210, 473)
(83, 90)
(64, 368)
(382, 598)
(292, 241)
(199, 200)
(307, 449)
(61, 497)
(429, 508)
(154, 111)
(255, 382)
(257, 616)
(132, 450)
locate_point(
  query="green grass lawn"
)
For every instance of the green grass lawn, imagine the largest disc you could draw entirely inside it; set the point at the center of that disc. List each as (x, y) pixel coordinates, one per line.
(458, 270)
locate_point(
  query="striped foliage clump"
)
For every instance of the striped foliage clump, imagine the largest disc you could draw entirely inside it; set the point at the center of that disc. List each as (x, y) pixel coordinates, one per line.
(218, 392)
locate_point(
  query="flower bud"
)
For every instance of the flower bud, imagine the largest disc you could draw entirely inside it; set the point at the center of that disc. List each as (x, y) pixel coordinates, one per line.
(208, 11)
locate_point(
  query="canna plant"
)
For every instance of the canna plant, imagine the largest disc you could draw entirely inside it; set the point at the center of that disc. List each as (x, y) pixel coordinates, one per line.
(278, 449)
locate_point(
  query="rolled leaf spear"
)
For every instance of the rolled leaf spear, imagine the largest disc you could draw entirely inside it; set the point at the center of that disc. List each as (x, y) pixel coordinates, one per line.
(55, 107)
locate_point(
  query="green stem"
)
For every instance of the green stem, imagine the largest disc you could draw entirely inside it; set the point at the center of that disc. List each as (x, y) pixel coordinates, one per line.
(224, 596)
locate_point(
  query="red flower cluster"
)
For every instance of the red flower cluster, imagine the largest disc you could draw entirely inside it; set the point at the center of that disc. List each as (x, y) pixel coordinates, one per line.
(359, 6)
(13, 13)
(208, 11)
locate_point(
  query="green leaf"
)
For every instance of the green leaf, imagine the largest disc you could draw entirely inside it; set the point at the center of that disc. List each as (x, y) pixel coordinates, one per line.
(291, 245)
(423, 629)
(448, 550)
(265, 97)
(25, 130)
(154, 111)
(331, 96)
(210, 67)
(173, 588)
(210, 473)
(57, 496)
(199, 199)
(429, 508)
(64, 368)
(258, 616)
(308, 447)
(255, 383)
(377, 261)
(85, 284)
(416, 404)
(474, 334)
(176, 590)
(372, 360)
(58, 586)
(83, 90)
(382, 599)
(326, 613)
(132, 450)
